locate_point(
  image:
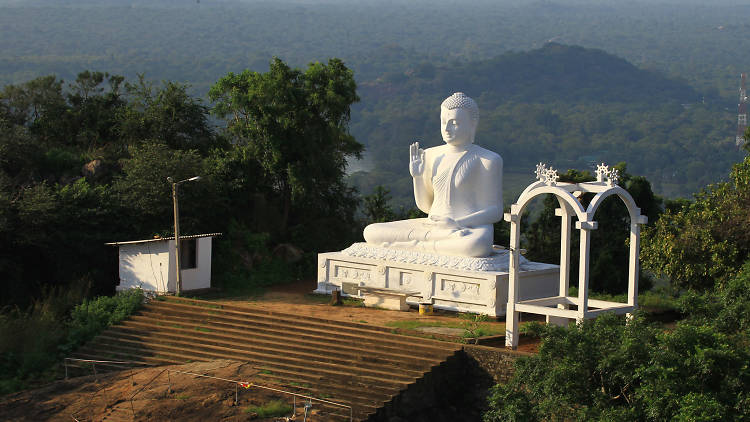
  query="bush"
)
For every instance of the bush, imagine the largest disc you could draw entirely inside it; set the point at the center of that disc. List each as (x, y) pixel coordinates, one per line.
(705, 242)
(272, 409)
(607, 369)
(728, 311)
(34, 342)
(92, 316)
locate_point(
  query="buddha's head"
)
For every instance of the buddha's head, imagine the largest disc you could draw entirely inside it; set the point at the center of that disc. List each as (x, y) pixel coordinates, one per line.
(459, 116)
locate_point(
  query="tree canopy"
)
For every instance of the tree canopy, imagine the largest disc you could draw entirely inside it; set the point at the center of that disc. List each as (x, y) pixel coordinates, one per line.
(295, 124)
(702, 243)
(86, 162)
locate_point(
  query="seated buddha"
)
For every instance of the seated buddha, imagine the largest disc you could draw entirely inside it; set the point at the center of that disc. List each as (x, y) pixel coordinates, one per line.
(458, 185)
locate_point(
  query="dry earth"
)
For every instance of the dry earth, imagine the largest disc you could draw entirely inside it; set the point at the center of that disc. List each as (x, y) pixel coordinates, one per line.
(158, 394)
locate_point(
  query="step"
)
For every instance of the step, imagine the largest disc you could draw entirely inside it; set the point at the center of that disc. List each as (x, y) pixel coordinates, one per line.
(378, 393)
(253, 354)
(358, 357)
(416, 345)
(264, 312)
(219, 352)
(326, 338)
(93, 351)
(149, 320)
(384, 333)
(130, 356)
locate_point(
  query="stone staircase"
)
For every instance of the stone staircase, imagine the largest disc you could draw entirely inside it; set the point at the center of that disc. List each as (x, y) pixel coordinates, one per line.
(363, 366)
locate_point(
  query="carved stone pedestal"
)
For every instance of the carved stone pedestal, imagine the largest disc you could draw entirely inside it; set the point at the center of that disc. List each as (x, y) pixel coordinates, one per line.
(464, 284)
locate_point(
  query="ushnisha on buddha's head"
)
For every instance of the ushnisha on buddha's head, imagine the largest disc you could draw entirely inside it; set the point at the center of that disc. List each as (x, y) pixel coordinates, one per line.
(459, 116)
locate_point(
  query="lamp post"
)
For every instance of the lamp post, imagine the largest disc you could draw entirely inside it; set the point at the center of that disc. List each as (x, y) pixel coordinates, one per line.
(177, 228)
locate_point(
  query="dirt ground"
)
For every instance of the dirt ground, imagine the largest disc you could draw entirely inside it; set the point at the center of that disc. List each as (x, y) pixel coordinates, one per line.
(158, 394)
(297, 298)
(163, 394)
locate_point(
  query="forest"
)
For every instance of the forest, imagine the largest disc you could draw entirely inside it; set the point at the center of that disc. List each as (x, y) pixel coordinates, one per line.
(101, 101)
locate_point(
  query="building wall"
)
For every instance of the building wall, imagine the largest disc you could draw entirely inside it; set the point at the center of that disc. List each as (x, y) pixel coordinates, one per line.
(151, 266)
(200, 276)
(145, 265)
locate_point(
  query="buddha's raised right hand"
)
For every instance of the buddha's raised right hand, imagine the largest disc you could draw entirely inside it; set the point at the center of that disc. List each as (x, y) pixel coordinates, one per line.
(416, 160)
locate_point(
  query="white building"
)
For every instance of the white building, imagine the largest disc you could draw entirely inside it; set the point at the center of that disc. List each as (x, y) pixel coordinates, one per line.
(150, 264)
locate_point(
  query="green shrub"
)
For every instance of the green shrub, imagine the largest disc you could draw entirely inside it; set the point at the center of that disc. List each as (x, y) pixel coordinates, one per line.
(34, 342)
(610, 369)
(272, 409)
(727, 310)
(92, 316)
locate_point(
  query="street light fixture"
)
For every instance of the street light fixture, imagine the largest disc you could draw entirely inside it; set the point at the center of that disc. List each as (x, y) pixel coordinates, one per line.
(177, 228)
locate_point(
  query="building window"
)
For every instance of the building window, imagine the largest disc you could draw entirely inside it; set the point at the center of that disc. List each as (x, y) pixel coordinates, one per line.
(188, 254)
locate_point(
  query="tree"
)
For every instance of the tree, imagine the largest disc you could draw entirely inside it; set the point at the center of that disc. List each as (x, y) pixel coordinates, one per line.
(167, 114)
(376, 206)
(704, 243)
(295, 124)
(145, 195)
(609, 369)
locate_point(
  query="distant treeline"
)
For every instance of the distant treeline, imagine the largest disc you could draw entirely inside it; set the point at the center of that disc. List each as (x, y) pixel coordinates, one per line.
(568, 106)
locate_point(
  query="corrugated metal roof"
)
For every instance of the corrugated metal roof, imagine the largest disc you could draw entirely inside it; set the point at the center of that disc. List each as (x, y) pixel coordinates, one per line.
(161, 239)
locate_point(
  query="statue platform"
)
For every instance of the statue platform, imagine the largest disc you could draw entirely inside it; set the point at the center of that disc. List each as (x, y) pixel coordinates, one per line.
(456, 283)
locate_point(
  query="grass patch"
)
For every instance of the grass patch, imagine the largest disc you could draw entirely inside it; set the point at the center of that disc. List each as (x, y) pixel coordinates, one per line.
(182, 397)
(266, 372)
(204, 329)
(351, 301)
(473, 325)
(300, 384)
(272, 409)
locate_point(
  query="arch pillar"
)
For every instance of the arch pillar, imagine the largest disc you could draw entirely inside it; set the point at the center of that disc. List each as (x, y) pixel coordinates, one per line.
(585, 228)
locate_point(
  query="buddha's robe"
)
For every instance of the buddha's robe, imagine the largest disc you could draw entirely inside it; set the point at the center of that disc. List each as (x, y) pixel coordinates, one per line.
(465, 187)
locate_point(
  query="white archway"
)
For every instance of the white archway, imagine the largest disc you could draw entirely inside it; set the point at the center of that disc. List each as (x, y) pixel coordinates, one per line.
(555, 308)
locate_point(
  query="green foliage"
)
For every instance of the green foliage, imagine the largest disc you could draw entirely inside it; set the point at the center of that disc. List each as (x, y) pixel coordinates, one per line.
(272, 409)
(143, 192)
(376, 206)
(607, 369)
(92, 316)
(167, 114)
(34, 342)
(703, 243)
(244, 264)
(727, 310)
(295, 124)
(284, 179)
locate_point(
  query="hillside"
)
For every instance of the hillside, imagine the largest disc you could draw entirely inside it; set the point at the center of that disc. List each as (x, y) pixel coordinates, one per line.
(549, 74)
(566, 105)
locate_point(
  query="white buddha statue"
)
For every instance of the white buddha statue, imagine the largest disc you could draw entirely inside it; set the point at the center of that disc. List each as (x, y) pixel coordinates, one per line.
(458, 185)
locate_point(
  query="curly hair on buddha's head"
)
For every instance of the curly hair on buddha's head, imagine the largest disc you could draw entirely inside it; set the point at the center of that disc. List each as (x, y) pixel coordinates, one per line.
(461, 100)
